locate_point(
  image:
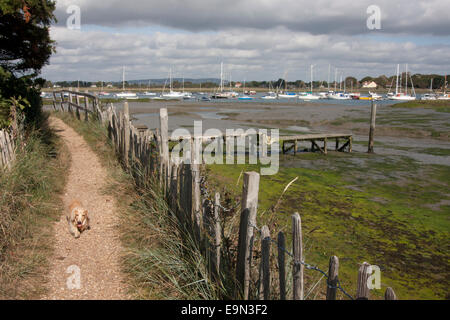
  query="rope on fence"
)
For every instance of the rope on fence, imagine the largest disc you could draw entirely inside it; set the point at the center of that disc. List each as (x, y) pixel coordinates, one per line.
(307, 265)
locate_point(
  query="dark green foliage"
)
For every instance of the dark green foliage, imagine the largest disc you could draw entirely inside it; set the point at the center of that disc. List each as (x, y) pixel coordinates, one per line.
(25, 48)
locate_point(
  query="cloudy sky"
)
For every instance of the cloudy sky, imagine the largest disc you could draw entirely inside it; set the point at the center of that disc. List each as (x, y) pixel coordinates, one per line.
(255, 39)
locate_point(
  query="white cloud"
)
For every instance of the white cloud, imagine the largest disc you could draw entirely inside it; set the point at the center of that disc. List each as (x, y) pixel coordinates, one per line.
(248, 53)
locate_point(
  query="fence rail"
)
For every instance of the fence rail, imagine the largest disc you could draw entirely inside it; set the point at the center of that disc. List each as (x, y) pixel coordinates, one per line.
(198, 211)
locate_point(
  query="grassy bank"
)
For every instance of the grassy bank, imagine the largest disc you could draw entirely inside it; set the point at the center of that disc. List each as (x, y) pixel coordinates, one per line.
(437, 105)
(157, 259)
(388, 211)
(29, 204)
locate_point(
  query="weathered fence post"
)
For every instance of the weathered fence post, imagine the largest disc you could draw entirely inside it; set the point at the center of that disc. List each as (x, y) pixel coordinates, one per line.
(332, 280)
(195, 167)
(297, 249)
(164, 146)
(390, 294)
(249, 207)
(217, 233)
(373, 115)
(86, 108)
(126, 130)
(282, 265)
(362, 290)
(69, 105)
(265, 263)
(173, 193)
(54, 100)
(62, 100)
(77, 111)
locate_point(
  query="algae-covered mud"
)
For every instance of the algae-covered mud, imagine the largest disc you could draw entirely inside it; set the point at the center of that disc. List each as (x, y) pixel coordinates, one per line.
(390, 208)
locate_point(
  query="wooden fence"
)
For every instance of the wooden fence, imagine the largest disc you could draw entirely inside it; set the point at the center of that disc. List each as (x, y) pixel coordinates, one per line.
(8, 140)
(7, 149)
(198, 212)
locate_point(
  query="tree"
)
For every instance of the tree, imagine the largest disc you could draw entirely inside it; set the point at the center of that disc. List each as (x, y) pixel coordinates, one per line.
(24, 34)
(25, 47)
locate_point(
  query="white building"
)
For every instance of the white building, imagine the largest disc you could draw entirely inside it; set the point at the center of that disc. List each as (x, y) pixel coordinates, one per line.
(369, 85)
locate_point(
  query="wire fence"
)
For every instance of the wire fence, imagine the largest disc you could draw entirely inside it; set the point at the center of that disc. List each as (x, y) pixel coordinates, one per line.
(307, 265)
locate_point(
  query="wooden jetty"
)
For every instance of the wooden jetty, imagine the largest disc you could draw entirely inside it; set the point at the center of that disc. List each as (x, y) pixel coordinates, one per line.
(288, 143)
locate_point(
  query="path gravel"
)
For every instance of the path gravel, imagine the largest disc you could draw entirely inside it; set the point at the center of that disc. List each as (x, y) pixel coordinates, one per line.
(96, 253)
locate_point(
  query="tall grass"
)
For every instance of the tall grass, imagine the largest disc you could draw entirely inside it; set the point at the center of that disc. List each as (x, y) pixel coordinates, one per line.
(160, 258)
(29, 203)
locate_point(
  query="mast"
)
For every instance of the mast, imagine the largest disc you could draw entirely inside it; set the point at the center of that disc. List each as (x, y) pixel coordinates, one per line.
(396, 83)
(328, 81)
(170, 79)
(312, 78)
(445, 84)
(123, 78)
(221, 77)
(335, 79)
(406, 79)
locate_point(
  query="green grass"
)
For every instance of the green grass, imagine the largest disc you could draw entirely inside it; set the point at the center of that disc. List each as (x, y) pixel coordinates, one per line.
(375, 211)
(440, 106)
(29, 204)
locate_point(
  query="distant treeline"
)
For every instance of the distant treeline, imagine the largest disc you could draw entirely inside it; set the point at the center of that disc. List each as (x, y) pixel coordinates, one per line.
(420, 81)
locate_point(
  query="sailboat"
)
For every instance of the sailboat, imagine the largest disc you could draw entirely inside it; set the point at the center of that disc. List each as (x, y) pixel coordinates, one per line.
(338, 95)
(123, 94)
(245, 96)
(399, 95)
(445, 96)
(271, 94)
(172, 94)
(431, 95)
(286, 94)
(148, 93)
(309, 95)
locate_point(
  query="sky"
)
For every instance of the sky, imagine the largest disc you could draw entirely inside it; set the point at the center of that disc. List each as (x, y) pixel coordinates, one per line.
(255, 39)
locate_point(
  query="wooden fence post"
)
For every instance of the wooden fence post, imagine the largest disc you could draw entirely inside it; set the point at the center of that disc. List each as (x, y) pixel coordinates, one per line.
(195, 167)
(297, 249)
(77, 111)
(282, 265)
(173, 193)
(265, 262)
(86, 108)
(69, 105)
(126, 131)
(62, 100)
(362, 290)
(217, 233)
(390, 294)
(164, 144)
(332, 280)
(249, 207)
(373, 115)
(54, 100)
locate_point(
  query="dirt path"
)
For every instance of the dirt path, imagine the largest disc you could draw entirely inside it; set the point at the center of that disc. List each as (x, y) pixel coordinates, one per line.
(96, 252)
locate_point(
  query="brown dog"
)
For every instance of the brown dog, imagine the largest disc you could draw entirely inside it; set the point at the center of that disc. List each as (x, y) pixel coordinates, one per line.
(77, 218)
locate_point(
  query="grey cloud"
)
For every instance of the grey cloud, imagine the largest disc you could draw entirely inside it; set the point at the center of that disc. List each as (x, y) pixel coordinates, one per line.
(247, 53)
(316, 17)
